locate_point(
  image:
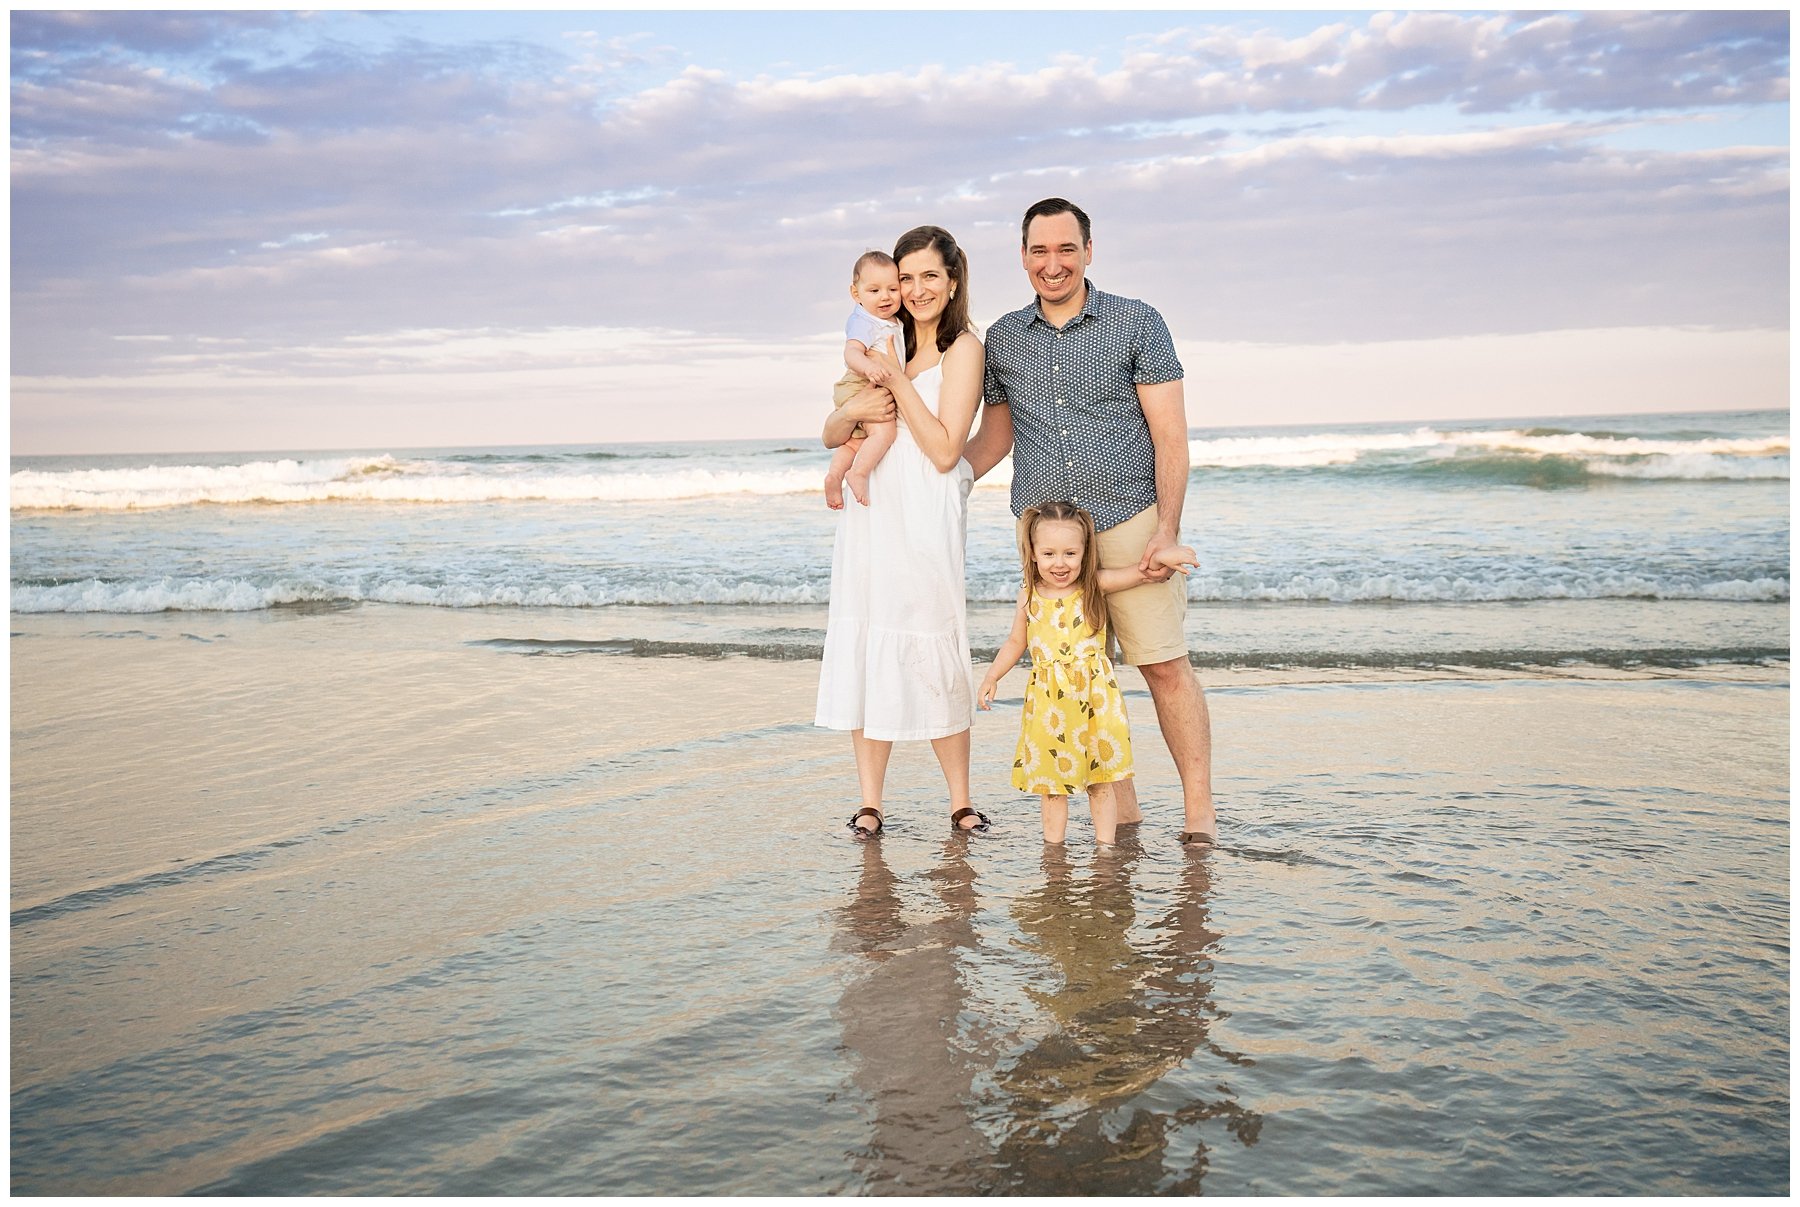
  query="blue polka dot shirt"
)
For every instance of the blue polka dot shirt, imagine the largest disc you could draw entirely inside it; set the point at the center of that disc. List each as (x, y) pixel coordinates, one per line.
(1078, 431)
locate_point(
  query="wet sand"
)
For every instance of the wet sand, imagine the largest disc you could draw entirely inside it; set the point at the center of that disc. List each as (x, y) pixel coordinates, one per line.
(356, 901)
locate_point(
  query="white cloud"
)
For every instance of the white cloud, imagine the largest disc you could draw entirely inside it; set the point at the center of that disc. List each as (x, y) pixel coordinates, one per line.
(493, 188)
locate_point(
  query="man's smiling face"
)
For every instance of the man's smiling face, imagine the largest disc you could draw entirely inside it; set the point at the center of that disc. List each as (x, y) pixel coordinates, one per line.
(1055, 258)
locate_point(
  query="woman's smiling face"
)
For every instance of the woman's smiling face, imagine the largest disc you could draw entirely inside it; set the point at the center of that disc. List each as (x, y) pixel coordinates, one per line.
(924, 284)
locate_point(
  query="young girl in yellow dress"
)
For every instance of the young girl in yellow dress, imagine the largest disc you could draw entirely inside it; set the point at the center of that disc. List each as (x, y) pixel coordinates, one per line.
(1074, 733)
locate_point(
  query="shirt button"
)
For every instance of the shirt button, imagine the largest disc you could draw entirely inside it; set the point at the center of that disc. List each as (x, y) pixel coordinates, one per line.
(1070, 464)
(1056, 368)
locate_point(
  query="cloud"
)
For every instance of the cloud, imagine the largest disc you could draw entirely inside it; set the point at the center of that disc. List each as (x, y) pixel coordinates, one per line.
(141, 32)
(296, 201)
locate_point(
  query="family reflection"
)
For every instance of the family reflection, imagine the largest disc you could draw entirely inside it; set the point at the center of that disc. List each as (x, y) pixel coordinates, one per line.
(903, 1015)
(1053, 1101)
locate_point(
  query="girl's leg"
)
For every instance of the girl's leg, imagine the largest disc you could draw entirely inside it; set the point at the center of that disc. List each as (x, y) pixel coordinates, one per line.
(871, 771)
(1056, 817)
(875, 445)
(1104, 801)
(953, 756)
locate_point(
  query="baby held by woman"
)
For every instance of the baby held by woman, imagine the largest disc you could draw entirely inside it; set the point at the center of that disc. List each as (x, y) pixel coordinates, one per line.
(875, 284)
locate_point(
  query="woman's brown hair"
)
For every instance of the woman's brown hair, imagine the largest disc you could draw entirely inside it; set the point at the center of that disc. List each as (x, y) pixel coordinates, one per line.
(1093, 599)
(955, 318)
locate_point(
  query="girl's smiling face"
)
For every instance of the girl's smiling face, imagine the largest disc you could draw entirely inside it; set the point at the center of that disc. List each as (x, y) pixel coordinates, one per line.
(924, 284)
(1056, 550)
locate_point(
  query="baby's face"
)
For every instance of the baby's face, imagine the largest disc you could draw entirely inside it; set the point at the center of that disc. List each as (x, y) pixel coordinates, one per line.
(877, 290)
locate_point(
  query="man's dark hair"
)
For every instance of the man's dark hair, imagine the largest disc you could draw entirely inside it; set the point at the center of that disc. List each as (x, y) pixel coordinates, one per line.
(1056, 205)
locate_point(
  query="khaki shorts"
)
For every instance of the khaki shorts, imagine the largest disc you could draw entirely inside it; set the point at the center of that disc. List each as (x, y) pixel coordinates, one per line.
(1146, 620)
(849, 386)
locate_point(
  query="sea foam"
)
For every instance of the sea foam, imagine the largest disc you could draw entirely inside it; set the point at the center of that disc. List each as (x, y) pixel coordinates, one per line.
(172, 594)
(378, 480)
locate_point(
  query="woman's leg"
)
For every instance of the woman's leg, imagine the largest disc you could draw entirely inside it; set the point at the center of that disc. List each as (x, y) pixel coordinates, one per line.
(1055, 810)
(871, 772)
(953, 756)
(1103, 799)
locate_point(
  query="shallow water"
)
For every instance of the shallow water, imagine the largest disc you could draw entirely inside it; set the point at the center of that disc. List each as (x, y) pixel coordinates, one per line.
(1481, 938)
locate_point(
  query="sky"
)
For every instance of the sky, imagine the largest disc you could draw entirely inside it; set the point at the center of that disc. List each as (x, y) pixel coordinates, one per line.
(281, 230)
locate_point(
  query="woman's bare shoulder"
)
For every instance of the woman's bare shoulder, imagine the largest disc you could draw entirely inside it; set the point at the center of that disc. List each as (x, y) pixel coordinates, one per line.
(966, 350)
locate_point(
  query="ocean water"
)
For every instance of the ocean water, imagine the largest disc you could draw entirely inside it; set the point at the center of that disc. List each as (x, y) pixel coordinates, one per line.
(400, 821)
(1635, 540)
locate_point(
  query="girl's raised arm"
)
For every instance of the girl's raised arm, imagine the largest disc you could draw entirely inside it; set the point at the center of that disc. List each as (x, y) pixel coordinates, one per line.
(1172, 557)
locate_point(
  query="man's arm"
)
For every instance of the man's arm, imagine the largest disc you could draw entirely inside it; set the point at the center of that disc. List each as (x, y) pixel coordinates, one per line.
(992, 441)
(1165, 410)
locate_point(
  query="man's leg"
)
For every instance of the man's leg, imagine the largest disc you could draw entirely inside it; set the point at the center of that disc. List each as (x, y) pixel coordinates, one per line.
(1187, 728)
(1125, 796)
(1148, 623)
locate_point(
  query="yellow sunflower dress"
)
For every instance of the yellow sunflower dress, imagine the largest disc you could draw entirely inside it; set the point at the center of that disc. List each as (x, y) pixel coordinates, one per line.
(1074, 732)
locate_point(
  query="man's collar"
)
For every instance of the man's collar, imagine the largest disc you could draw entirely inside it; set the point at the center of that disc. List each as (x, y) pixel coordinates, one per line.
(1089, 296)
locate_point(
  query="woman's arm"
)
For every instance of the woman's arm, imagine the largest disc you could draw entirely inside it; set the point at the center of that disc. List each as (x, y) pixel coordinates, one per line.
(941, 437)
(1008, 655)
(873, 405)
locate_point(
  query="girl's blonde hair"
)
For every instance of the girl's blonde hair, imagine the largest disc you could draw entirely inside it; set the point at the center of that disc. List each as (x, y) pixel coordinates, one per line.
(1093, 599)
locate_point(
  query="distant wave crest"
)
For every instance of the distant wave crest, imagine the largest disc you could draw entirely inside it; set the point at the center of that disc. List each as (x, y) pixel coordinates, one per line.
(1537, 456)
(382, 479)
(1541, 457)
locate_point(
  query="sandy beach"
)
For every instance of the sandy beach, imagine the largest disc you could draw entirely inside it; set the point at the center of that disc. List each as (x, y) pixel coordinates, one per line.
(330, 900)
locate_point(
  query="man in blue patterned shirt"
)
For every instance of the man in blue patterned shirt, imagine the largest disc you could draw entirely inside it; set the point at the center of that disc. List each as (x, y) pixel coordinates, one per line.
(1085, 390)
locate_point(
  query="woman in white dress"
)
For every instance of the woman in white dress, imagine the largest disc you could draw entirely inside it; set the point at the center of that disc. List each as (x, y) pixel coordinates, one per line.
(897, 644)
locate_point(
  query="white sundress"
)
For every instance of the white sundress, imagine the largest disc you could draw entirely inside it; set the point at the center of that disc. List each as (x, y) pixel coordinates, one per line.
(897, 638)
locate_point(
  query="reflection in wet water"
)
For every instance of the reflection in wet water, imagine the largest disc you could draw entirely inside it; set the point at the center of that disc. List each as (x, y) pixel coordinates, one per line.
(1068, 1098)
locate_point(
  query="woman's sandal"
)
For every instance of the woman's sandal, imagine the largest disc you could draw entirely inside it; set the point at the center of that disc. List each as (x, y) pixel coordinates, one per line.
(980, 827)
(1189, 837)
(864, 831)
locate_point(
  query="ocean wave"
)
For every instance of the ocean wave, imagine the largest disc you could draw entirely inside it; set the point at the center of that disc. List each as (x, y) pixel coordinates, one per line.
(1533, 456)
(243, 595)
(1541, 457)
(375, 480)
(1567, 662)
(1396, 588)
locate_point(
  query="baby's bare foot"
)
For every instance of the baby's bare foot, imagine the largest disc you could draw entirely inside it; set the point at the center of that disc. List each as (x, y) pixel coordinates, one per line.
(834, 492)
(859, 486)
